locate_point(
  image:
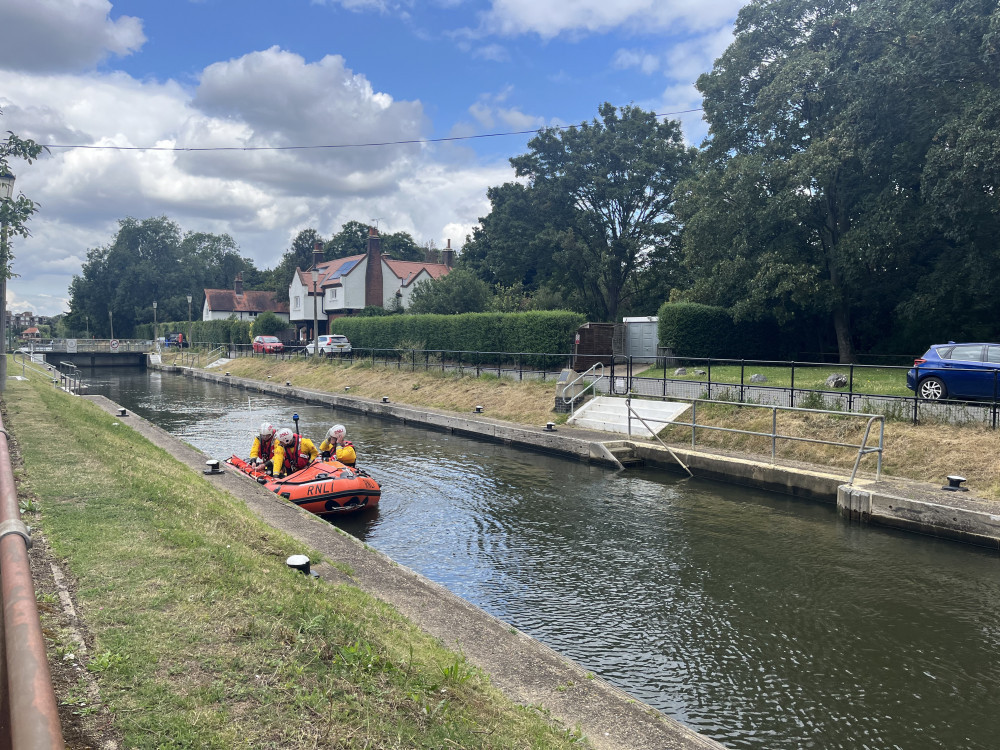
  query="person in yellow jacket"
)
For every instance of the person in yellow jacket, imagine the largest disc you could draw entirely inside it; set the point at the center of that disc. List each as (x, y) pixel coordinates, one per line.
(263, 445)
(338, 446)
(292, 452)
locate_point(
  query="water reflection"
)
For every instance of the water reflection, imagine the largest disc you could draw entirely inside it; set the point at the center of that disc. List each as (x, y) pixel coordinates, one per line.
(759, 620)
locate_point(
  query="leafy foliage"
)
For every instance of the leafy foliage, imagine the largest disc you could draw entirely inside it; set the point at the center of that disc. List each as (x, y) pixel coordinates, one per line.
(597, 211)
(17, 211)
(268, 324)
(458, 292)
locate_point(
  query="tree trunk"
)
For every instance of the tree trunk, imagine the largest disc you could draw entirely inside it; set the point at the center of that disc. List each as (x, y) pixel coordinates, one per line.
(842, 327)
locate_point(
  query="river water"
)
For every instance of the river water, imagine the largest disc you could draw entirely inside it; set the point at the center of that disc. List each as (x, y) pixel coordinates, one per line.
(759, 620)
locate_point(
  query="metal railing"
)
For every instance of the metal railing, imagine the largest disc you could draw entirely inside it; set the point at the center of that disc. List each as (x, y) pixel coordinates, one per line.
(70, 376)
(29, 716)
(596, 372)
(862, 448)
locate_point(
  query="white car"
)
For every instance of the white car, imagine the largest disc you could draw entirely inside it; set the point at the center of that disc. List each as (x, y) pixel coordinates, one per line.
(333, 344)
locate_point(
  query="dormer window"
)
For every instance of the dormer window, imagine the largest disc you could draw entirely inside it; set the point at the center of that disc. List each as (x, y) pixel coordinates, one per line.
(297, 303)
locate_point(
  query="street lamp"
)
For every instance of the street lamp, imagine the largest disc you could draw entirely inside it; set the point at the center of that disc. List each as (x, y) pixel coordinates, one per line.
(156, 338)
(189, 321)
(111, 320)
(315, 279)
(6, 193)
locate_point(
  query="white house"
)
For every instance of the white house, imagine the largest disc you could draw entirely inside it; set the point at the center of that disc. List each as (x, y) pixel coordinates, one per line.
(220, 304)
(346, 286)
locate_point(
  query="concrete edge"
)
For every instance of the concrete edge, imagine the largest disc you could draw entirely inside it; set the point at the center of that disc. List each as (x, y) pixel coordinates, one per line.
(812, 484)
(527, 671)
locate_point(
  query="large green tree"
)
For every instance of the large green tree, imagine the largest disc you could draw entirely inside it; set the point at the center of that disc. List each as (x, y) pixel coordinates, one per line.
(460, 291)
(596, 211)
(150, 260)
(352, 239)
(812, 191)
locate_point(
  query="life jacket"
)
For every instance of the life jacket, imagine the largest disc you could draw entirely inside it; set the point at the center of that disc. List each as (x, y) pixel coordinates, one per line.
(346, 453)
(266, 449)
(294, 460)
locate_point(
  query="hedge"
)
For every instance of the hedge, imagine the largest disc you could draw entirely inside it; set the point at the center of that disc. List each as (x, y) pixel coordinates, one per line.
(229, 331)
(692, 330)
(549, 332)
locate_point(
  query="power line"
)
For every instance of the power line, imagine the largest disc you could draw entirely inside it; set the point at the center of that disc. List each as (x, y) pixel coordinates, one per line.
(373, 144)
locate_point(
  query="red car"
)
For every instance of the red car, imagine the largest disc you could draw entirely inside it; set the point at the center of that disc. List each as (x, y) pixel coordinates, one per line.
(268, 344)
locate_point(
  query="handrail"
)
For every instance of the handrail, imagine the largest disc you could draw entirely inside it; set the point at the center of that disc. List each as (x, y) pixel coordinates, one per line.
(29, 716)
(209, 359)
(592, 369)
(863, 450)
(628, 404)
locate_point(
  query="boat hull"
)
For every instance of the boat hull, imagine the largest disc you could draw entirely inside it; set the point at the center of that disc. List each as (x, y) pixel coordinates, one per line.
(326, 488)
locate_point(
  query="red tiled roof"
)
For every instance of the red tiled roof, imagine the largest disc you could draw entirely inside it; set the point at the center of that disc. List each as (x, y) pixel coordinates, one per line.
(407, 270)
(226, 300)
(328, 272)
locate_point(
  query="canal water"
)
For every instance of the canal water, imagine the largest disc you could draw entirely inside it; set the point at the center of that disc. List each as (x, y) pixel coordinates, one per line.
(756, 619)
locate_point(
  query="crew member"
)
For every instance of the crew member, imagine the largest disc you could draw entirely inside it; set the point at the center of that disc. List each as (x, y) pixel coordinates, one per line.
(292, 452)
(337, 445)
(263, 445)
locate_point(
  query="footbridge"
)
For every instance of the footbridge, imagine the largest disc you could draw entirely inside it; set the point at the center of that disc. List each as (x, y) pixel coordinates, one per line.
(91, 352)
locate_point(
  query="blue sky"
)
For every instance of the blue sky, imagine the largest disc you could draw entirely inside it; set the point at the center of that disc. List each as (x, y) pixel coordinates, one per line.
(251, 73)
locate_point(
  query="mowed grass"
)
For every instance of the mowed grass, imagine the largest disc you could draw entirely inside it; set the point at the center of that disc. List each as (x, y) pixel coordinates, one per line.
(202, 638)
(881, 381)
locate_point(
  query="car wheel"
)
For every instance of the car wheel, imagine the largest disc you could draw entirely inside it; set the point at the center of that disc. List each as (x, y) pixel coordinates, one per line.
(932, 389)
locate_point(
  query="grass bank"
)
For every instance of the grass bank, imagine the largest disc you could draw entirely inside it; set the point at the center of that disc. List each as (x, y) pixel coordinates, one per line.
(925, 452)
(201, 637)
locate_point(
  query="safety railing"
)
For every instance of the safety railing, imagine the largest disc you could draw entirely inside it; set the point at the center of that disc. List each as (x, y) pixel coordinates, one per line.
(596, 373)
(70, 376)
(862, 447)
(29, 716)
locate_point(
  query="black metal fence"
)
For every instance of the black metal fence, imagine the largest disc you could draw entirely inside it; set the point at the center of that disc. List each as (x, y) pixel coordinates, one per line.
(626, 375)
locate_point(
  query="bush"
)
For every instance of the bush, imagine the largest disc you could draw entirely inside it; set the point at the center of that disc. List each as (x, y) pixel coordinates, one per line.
(549, 332)
(689, 329)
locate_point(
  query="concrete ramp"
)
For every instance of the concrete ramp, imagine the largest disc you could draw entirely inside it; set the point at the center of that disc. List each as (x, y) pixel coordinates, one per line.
(611, 415)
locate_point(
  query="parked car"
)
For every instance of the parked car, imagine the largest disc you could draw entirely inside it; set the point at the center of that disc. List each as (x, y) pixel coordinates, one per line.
(332, 344)
(956, 370)
(268, 344)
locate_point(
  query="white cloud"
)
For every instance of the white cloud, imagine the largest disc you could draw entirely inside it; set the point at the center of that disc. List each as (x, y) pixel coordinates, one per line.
(550, 18)
(626, 58)
(61, 35)
(261, 198)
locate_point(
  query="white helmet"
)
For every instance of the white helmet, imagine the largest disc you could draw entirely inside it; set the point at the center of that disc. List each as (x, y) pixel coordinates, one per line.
(266, 430)
(285, 436)
(337, 432)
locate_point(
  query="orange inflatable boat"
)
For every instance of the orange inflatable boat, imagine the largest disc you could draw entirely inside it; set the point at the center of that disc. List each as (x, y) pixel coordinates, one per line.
(325, 488)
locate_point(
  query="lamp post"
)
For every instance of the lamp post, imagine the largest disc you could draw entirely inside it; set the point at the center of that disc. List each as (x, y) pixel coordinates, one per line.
(156, 338)
(111, 320)
(189, 321)
(315, 279)
(6, 192)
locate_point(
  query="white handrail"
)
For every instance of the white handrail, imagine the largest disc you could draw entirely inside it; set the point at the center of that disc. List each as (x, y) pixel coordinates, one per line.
(594, 368)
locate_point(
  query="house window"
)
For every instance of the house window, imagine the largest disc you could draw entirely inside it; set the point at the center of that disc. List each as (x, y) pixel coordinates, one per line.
(296, 303)
(333, 294)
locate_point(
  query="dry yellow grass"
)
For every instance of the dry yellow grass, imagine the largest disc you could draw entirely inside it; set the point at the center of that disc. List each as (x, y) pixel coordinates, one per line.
(926, 452)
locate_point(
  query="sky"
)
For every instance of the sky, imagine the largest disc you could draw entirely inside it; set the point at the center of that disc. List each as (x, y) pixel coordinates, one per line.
(159, 79)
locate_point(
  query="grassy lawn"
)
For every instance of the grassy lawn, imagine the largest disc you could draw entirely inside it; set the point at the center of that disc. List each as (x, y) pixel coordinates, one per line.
(201, 637)
(883, 381)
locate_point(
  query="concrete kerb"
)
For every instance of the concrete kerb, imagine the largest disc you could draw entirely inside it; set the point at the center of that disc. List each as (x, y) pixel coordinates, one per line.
(527, 671)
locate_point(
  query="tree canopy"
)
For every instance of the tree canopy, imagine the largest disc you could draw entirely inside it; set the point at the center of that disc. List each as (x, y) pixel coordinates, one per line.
(596, 212)
(830, 181)
(18, 210)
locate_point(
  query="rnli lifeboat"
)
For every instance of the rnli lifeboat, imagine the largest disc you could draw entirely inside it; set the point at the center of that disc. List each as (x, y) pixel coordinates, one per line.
(325, 488)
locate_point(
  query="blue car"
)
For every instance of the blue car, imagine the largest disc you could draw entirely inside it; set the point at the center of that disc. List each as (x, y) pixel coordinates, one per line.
(956, 371)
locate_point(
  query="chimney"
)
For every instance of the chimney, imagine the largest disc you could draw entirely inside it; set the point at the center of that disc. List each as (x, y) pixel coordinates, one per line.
(238, 284)
(373, 270)
(317, 254)
(448, 255)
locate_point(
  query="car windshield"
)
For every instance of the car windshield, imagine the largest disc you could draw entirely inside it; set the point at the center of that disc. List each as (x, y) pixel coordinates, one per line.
(339, 339)
(268, 339)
